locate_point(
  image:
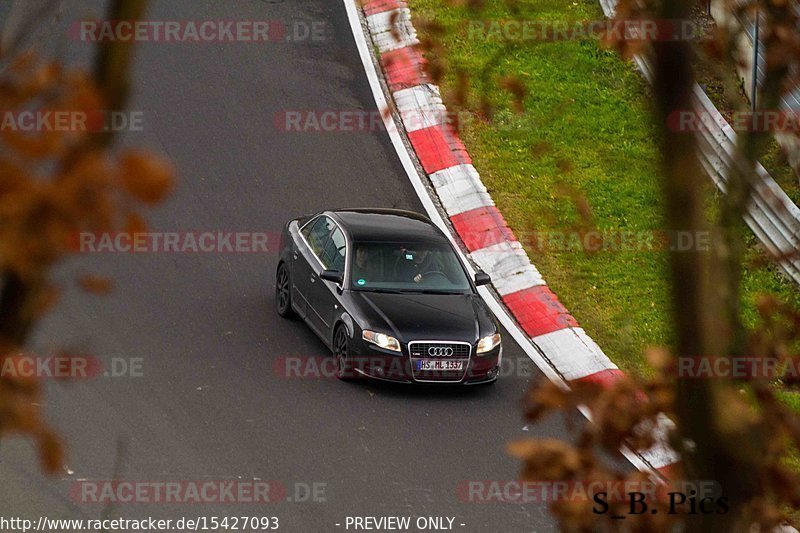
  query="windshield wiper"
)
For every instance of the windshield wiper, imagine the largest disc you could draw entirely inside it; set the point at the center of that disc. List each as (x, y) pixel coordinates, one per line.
(384, 291)
(434, 291)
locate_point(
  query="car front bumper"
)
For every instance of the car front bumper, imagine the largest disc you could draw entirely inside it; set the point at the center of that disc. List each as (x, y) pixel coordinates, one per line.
(371, 361)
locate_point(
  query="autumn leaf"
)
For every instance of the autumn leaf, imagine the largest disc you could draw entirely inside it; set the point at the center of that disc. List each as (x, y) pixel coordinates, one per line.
(145, 177)
(95, 284)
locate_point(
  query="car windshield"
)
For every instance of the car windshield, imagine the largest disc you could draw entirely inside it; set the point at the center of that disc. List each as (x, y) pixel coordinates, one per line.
(407, 267)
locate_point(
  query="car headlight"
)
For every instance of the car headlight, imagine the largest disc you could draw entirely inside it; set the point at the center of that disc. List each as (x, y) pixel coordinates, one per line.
(487, 344)
(387, 342)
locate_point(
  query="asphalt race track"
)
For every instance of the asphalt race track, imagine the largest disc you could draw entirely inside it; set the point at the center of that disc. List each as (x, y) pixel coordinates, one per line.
(209, 404)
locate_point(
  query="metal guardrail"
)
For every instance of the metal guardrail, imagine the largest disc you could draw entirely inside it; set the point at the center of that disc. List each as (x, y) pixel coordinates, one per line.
(772, 216)
(609, 7)
(792, 98)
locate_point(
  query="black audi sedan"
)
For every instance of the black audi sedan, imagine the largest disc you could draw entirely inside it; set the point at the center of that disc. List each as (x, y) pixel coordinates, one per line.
(388, 294)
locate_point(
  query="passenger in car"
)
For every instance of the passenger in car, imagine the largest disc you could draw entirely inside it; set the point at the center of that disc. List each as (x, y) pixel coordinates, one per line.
(364, 267)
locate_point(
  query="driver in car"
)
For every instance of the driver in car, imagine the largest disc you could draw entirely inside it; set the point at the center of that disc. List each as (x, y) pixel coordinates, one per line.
(422, 264)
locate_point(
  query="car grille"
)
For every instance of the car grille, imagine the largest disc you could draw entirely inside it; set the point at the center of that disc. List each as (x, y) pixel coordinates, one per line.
(444, 351)
(451, 350)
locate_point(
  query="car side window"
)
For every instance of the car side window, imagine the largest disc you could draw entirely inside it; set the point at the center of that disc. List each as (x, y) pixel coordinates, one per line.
(317, 234)
(334, 256)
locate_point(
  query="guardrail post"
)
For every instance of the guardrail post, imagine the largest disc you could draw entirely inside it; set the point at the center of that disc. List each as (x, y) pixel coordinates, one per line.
(756, 46)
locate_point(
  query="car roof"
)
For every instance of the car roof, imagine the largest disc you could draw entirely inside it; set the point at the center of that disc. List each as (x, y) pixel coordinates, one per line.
(389, 225)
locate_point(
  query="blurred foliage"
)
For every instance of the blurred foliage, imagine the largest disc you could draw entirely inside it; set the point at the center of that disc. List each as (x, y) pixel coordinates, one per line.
(736, 433)
(56, 183)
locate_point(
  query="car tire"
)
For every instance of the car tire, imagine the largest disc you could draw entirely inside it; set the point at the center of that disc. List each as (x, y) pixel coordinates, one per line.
(283, 292)
(341, 351)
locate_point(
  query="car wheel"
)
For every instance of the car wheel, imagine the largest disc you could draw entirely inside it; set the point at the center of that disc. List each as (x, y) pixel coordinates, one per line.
(283, 293)
(341, 351)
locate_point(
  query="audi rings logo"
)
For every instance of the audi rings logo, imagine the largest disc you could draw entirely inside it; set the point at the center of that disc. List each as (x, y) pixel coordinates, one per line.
(440, 351)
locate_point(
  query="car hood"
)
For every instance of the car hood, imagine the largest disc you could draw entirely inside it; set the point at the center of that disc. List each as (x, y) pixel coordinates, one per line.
(457, 317)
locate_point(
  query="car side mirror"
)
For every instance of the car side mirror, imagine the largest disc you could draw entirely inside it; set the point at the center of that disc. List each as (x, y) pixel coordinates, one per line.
(482, 278)
(332, 275)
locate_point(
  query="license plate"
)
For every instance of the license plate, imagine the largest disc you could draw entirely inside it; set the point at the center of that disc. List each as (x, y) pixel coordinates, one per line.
(439, 364)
